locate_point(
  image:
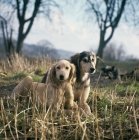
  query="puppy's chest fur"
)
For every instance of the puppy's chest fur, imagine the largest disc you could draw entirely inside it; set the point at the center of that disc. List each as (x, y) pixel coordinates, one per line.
(81, 89)
(56, 96)
(82, 83)
(85, 78)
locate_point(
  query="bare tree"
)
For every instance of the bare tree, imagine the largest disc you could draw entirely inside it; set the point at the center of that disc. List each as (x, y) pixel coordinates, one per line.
(24, 8)
(21, 14)
(40, 6)
(6, 30)
(7, 37)
(108, 14)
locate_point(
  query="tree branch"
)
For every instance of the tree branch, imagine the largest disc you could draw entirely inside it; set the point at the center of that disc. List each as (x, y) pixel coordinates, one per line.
(97, 13)
(36, 8)
(24, 9)
(119, 13)
(109, 13)
(114, 23)
(18, 9)
(28, 19)
(111, 34)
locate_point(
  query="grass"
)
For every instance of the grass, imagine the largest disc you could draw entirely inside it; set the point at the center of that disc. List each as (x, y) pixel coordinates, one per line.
(20, 67)
(115, 108)
(111, 118)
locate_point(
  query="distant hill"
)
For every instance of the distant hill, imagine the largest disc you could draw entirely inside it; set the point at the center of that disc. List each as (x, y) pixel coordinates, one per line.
(63, 54)
(42, 49)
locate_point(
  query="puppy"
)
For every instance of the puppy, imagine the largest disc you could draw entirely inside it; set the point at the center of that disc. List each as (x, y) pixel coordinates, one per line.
(85, 65)
(58, 85)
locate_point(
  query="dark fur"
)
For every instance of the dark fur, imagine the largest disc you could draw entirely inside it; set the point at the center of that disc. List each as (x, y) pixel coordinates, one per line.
(111, 71)
(44, 78)
(76, 59)
(81, 87)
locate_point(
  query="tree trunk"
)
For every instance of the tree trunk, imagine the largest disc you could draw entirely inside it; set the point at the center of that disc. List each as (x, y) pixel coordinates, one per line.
(101, 44)
(100, 49)
(5, 39)
(20, 39)
(19, 45)
(22, 21)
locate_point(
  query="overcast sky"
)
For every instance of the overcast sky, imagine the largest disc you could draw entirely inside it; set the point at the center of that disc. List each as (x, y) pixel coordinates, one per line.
(73, 33)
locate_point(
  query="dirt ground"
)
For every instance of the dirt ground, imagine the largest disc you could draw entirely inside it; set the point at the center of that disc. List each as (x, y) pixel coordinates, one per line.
(100, 81)
(6, 90)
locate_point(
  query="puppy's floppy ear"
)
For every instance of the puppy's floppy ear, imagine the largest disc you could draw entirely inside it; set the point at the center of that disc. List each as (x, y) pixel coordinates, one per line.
(75, 59)
(72, 76)
(52, 74)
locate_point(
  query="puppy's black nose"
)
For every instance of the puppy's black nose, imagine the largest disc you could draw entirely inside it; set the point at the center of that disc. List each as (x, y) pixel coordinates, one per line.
(92, 69)
(61, 77)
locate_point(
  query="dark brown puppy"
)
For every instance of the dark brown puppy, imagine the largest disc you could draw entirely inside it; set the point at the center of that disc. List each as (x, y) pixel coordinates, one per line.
(85, 63)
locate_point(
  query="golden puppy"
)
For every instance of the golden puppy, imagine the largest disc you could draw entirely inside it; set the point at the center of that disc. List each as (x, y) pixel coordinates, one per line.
(58, 85)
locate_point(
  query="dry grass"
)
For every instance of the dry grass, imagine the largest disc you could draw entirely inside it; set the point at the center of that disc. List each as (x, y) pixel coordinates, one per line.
(18, 67)
(18, 64)
(115, 109)
(115, 118)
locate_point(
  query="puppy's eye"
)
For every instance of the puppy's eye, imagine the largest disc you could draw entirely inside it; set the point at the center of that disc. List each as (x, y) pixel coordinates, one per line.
(67, 68)
(84, 60)
(58, 67)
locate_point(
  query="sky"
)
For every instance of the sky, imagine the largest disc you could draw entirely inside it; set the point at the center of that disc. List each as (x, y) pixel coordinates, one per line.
(75, 37)
(74, 33)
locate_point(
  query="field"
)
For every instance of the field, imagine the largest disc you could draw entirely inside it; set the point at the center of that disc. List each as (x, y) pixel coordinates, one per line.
(115, 107)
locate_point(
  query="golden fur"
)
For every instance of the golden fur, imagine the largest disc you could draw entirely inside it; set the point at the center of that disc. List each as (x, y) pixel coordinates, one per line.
(23, 89)
(85, 65)
(58, 85)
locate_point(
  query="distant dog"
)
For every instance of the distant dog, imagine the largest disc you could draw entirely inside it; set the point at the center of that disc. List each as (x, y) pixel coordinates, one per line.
(136, 74)
(111, 72)
(58, 85)
(85, 63)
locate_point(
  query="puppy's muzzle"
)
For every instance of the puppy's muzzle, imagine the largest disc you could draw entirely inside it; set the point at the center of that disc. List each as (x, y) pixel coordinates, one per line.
(92, 70)
(61, 77)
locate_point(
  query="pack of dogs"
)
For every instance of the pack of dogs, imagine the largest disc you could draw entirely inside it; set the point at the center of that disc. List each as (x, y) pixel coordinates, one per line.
(114, 73)
(66, 83)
